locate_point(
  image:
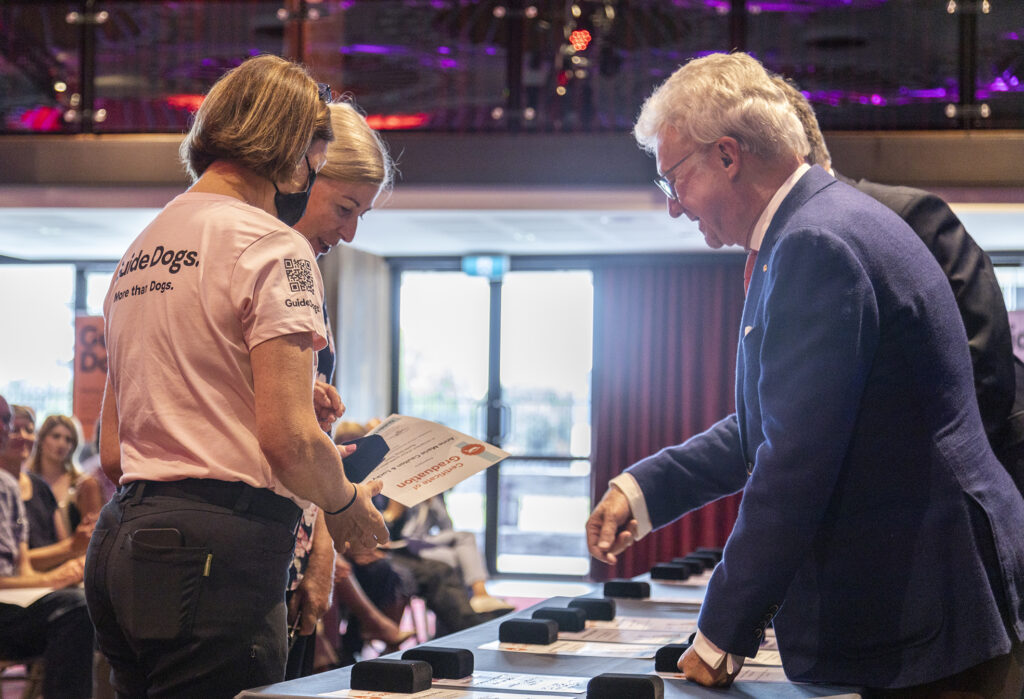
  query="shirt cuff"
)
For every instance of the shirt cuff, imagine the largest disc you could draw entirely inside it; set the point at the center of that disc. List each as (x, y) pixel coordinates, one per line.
(713, 655)
(627, 484)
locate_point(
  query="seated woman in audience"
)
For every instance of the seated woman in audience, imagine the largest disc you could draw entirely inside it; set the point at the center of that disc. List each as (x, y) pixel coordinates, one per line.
(53, 458)
(390, 576)
(427, 531)
(56, 625)
(46, 548)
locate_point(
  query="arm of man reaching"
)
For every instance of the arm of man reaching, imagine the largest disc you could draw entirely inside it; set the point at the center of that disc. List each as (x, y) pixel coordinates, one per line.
(611, 529)
(301, 455)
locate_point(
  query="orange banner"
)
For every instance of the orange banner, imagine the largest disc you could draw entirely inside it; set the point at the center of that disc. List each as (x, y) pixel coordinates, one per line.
(90, 374)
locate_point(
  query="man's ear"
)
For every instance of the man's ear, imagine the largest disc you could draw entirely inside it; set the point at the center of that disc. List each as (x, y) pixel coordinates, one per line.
(726, 159)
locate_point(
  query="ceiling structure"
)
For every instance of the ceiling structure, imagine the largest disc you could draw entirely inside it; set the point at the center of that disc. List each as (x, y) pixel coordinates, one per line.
(454, 222)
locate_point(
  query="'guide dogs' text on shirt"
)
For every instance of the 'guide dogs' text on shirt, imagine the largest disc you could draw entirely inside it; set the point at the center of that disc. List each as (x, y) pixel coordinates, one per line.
(174, 260)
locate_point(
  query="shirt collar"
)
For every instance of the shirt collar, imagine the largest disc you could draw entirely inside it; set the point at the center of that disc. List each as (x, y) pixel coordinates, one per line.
(761, 227)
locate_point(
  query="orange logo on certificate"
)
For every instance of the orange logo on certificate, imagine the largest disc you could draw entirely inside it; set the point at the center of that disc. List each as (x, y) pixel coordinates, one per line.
(473, 449)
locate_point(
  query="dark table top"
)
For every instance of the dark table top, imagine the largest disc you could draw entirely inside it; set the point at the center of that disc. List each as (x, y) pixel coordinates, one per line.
(684, 608)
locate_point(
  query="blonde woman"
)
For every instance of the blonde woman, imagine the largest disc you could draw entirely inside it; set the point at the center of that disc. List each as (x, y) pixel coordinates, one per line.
(53, 459)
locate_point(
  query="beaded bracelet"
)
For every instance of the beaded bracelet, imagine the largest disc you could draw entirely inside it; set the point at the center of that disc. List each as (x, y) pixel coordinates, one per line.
(355, 491)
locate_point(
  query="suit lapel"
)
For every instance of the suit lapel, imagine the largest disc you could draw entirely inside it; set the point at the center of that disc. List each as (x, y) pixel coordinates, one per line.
(813, 181)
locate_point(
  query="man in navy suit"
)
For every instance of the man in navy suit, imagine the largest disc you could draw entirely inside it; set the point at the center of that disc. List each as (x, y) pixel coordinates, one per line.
(877, 530)
(998, 374)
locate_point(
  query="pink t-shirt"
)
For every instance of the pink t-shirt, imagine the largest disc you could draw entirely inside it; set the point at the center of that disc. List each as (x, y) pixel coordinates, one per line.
(209, 279)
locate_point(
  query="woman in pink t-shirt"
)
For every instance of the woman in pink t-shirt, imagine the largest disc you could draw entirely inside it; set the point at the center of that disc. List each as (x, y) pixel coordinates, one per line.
(212, 320)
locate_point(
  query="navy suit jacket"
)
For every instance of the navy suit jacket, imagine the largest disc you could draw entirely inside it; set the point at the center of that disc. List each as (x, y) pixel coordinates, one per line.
(877, 527)
(975, 287)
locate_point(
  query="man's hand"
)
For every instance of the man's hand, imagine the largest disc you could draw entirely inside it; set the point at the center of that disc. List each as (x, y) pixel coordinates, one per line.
(611, 527)
(327, 404)
(696, 670)
(361, 525)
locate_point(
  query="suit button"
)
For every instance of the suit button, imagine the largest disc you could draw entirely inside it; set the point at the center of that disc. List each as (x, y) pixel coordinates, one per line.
(750, 467)
(758, 633)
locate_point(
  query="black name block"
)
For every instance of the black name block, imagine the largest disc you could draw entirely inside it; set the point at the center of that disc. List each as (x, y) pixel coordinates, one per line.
(667, 657)
(695, 567)
(567, 619)
(538, 631)
(614, 685)
(597, 609)
(670, 571)
(379, 675)
(447, 663)
(627, 588)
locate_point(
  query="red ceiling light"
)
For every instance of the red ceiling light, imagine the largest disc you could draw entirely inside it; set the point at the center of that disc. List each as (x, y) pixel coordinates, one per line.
(580, 39)
(392, 122)
(187, 102)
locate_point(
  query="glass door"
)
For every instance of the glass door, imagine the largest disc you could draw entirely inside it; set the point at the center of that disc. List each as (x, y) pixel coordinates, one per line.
(544, 487)
(508, 360)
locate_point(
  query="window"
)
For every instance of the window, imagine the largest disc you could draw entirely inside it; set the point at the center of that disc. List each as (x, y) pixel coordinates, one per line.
(529, 393)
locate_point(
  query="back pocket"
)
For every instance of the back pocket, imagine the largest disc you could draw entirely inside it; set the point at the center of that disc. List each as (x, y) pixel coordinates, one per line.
(167, 579)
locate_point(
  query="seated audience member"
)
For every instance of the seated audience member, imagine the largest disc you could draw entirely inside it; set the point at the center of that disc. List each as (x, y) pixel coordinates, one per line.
(46, 549)
(56, 626)
(388, 578)
(53, 458)
(364, 620)
(427, 531)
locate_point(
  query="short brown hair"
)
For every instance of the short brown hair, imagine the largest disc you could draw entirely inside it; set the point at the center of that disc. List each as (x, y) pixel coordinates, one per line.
(263, 115)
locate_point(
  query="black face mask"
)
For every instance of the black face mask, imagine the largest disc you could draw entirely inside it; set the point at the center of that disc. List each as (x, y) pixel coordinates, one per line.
(290, 207)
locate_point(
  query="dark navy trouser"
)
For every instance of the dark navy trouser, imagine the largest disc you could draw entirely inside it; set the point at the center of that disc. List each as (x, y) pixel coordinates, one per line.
(57, 628)
(188, 597)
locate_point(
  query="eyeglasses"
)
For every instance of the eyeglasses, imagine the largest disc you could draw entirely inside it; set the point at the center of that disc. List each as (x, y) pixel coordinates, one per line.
(666, 185)
(323, 91)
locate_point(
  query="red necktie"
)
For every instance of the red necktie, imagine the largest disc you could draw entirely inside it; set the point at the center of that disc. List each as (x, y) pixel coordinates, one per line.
(748, 270)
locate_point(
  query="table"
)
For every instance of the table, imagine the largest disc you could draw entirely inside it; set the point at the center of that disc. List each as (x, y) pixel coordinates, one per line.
(678, 602)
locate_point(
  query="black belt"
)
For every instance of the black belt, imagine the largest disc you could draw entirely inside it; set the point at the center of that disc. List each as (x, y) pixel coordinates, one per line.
(233, 495)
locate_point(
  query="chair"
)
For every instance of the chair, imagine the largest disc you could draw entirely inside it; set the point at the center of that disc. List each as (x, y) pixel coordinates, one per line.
(29, 671)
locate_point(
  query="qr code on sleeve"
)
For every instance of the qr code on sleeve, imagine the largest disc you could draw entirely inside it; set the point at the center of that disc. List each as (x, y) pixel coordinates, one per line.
(300, 276)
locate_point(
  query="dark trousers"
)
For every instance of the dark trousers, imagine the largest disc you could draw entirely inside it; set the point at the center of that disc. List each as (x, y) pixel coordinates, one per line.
(57, 628)
(1001, 677)
(442, 590)
(188, 596)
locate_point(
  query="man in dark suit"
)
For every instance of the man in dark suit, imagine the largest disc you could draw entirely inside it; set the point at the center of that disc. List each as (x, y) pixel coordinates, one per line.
(877, 529)
(998, 374)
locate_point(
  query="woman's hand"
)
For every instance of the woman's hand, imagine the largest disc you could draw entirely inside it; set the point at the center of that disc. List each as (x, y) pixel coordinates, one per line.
(361, 526)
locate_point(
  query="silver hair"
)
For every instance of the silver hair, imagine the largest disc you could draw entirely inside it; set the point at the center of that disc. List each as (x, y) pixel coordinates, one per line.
(722, 95)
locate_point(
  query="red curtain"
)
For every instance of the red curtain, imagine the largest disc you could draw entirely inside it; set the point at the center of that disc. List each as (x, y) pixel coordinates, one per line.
(665, 335)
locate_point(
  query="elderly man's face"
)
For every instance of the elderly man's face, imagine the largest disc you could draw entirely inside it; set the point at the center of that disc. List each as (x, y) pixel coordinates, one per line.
(701, 187)
(5, 422)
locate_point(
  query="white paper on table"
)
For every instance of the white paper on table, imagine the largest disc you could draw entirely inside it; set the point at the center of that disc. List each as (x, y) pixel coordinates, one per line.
(23, 596)
(645, 623)
(641, 636)
(610, 650)
(484, 679)
(432, 693)
(761, 673)
(765, 657)
(425, 458)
